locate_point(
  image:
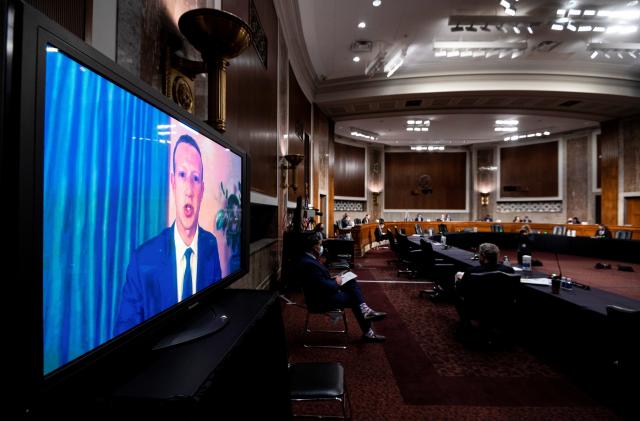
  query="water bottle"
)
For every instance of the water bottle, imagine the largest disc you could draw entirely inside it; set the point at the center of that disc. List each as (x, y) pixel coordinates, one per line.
(506, 261)
(443, 240)
(566, 283)
(526, 263)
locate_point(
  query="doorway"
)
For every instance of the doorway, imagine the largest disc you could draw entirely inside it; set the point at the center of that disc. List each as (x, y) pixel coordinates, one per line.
(632, 211)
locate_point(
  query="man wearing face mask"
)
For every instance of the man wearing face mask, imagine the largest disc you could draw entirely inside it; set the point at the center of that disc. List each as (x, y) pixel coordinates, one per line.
(322, 292)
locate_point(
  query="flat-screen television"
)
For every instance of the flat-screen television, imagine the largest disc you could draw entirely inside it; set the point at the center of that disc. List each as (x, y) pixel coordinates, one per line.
(129, 211)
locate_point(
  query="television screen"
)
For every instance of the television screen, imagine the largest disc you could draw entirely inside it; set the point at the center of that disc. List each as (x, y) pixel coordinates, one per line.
(140, 211)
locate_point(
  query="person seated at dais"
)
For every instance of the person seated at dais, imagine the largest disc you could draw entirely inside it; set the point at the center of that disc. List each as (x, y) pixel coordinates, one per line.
(526, 220)
(379, 234)
(487, 218)
(602, 232)
(488, 258)
(516, 219)
(346, 222)
(322, 292)
(419, 218)
(319, 229)
(366, 219)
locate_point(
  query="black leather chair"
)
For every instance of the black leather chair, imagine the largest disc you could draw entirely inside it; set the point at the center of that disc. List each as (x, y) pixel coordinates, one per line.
(408, 255)
(322, 381)
(357, 221)
(623, 235)
(623, 327)
(436, 269)
(490, 299)
(331, 314)
(442, 228)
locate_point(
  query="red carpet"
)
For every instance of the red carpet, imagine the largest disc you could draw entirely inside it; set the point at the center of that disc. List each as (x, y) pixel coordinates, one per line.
(422, 373)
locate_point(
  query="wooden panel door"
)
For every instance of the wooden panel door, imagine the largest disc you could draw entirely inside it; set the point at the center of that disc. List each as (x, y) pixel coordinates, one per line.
(632, 211)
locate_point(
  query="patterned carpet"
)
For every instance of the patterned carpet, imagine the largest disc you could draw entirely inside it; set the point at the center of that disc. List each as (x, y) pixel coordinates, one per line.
(423, 373)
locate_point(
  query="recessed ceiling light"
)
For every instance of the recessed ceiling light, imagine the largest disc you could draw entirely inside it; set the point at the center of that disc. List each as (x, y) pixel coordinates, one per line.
(593, 55)
(411, 122)
(376, 3)
(362, 25)
(356, 59)
(571, 27)
(546, 133)
(516, 29)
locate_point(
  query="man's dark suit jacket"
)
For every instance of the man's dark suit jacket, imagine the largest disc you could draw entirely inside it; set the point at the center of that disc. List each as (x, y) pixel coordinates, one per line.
(151, 284)
(318, 286)
(460, 285)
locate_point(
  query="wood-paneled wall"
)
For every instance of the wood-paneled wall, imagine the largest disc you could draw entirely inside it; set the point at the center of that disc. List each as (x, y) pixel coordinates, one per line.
(609, 171)
(529, 170)
(349, 167)
(252, 99)
(320, 153)
(300, 116)
(448, 180)
(73, 15)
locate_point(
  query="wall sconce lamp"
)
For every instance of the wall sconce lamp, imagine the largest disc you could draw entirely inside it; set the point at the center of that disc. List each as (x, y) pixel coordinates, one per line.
(484, 199)
(218, 36)
(293, 161)
(375, 197)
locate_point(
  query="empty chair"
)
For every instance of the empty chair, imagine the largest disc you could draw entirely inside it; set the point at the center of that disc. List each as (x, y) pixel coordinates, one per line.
(559, 230)
(624, 343)
(418, 229)
(319, 382)
(490, 299)
(437, 270)
(497, 228)
(442, 228)
(623, 235)
(408, 255)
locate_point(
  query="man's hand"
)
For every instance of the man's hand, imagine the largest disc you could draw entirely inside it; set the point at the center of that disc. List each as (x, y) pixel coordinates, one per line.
(338, 279)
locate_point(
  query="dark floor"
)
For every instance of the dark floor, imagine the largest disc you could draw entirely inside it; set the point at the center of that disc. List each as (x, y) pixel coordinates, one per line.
(423, 373)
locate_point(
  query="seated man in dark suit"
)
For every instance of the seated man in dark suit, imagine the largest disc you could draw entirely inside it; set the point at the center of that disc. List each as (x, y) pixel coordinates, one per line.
(379, 234)
(488, 259)
(323, 292)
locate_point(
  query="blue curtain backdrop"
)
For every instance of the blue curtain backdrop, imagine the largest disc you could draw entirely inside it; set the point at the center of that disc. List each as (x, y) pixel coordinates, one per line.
(106, 169)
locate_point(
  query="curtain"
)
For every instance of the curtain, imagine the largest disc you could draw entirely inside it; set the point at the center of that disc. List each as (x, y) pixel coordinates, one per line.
(105, 191)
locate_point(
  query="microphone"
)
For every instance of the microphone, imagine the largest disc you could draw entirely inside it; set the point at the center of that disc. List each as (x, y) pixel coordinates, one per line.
(574, 283)
(559, 268)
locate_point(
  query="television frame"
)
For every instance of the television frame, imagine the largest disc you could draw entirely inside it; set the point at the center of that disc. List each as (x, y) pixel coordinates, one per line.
(26, 32)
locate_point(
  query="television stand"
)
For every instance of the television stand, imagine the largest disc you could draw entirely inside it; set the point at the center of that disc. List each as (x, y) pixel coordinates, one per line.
(238, 373)
(206, 322)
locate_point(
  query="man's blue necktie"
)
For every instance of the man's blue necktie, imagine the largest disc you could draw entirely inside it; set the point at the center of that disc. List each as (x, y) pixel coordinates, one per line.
(186, 281)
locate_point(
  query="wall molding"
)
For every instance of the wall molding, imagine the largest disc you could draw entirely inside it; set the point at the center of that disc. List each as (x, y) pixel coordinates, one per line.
(531, 206)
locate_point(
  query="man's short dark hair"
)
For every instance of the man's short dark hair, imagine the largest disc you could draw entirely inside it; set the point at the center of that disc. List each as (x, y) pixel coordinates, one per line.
(185, 138)
(312, 240)
(381, 221)
(489, 252)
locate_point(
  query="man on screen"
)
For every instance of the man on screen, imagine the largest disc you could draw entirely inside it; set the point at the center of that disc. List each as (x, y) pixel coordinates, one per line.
(182, 259)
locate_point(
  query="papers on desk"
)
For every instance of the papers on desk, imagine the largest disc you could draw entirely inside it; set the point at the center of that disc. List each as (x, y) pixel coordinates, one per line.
(536, 281)
(347, 276)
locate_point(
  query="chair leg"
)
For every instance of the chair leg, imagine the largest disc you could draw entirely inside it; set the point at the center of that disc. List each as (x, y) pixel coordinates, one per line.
(307, 331)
